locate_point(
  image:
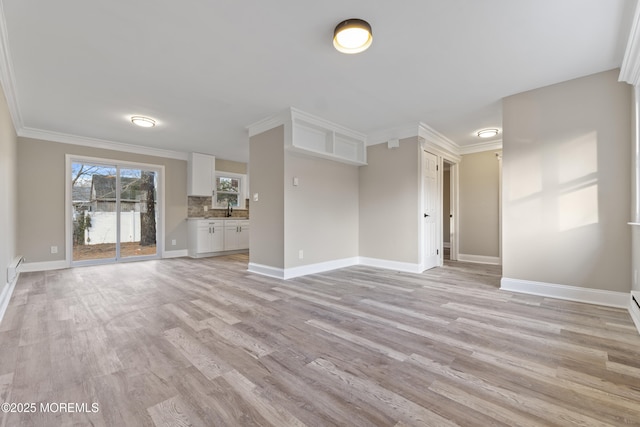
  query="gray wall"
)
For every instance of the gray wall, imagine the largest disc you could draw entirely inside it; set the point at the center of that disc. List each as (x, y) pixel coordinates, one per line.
(389, 197)
(566, 184)
(266, 171)
(8, 186)
(321, 213)
(231, 166)
(479, 175)
(318, 216)
(41, 195)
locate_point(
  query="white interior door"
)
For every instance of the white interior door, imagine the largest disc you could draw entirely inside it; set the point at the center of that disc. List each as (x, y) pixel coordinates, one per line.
(431, 206)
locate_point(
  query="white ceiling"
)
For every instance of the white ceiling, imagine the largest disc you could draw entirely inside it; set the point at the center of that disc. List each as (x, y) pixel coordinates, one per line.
(208, 69)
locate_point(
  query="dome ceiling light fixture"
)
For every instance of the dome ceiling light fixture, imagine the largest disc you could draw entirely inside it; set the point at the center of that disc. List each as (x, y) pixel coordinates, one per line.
(142, 121)
(352, 36)
(487, 133)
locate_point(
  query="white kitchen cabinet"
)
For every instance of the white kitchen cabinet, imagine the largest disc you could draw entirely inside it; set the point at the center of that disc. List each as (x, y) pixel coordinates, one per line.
(201, 179)
(210, 236)
(323, 139)
(205, 236)
(243, 235)
(236, 235)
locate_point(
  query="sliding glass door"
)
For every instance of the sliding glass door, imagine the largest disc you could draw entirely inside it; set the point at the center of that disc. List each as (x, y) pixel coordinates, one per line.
(114, 212)
(137, 212)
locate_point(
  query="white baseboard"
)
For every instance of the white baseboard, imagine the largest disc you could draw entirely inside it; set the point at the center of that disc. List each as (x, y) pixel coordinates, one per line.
(634, 310)
(571, 293)
(321, 267)
(5, 296)
(43, 266)
(479, 259)
(391, 265)
(175, 254)
(266, 270)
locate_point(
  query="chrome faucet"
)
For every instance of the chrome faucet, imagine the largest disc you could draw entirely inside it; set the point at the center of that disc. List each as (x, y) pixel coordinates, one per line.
(229, 208)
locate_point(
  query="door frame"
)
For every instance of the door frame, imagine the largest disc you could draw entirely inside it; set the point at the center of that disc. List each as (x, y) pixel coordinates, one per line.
(68, 209)
(431, 143)
(454, 203)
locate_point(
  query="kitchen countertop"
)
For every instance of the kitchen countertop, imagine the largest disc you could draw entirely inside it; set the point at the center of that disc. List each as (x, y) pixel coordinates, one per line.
(230, 218)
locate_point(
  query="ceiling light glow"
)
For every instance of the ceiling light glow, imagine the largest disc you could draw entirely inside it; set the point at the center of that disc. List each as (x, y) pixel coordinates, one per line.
(487, 133)
(142, 121)
(352, 36)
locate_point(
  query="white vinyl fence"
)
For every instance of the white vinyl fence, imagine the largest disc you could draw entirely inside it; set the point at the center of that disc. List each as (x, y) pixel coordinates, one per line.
(103, 228)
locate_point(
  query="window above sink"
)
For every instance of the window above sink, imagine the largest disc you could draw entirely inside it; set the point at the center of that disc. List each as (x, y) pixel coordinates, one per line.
(230, 190)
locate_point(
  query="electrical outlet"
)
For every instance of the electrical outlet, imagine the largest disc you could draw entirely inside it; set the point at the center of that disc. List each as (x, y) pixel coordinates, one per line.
(300, 254)
(54, 249)
(206, 208)
(173, 242)
(255, 197)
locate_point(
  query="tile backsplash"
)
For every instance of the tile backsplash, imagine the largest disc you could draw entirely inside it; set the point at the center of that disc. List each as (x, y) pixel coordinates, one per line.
(196, 206)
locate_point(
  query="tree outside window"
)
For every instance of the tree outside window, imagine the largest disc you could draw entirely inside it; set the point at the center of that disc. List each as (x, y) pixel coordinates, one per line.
(228, 191)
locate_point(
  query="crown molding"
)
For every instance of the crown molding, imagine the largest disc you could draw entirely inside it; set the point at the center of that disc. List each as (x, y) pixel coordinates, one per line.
(269, 123)
(481, 146)
(292, 114)
(99, 143)
(399, 132)
(435, 138)
(6, 73)
(630, 68)
(302, 116)
(431, 135)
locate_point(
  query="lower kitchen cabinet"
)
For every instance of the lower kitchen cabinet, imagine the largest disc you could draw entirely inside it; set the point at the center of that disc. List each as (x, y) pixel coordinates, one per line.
(236, 235)
(208, 237)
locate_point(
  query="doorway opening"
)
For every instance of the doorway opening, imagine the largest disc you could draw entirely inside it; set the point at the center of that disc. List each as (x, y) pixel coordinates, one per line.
(447, 212)
(439, 206)
(113, 210)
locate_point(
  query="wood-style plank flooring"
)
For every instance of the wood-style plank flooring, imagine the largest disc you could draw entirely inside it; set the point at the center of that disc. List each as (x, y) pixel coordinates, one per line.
(185, 342)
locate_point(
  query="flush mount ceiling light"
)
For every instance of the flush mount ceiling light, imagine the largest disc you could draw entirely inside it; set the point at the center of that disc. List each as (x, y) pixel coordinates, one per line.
(144, 122)
(487, 133)
(352, 36)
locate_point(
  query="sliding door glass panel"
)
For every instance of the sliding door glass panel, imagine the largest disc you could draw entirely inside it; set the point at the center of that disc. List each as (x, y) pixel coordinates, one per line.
(137, 209)
(94, 198)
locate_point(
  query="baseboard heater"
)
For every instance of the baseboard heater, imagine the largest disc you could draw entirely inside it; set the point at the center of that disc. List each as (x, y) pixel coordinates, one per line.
(12, 269)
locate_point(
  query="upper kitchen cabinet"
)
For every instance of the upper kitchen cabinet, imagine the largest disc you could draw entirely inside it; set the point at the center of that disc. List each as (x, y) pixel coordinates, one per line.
(315, 136)
(324, 139)
(201, 178)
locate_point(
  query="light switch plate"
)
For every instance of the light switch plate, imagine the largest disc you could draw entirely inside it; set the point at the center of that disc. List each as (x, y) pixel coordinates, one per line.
(255, 197)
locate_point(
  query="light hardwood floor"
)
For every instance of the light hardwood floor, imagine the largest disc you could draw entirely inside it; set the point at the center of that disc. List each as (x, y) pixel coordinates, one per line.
(202, 342)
